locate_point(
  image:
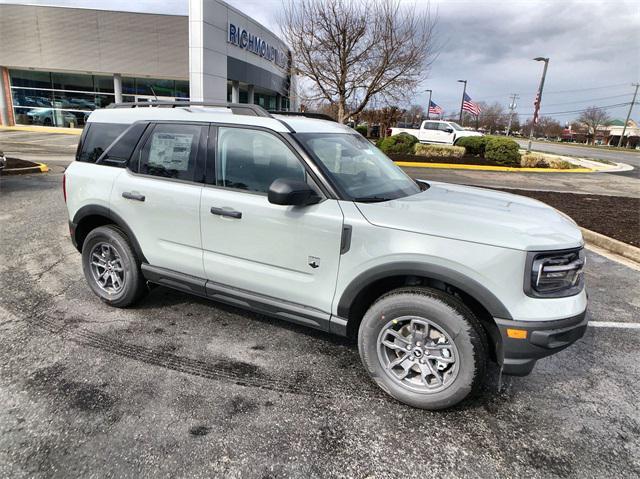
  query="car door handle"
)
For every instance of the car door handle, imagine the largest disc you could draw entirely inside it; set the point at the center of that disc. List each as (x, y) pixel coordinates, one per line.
(133, 196)
(226, 212)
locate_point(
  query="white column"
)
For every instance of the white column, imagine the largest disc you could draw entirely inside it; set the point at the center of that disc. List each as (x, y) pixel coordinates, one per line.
(117, 87)
(250, 94)
(235, 92)
(207, 54)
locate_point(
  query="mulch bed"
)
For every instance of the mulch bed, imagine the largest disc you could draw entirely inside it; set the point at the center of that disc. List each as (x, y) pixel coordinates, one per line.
(465, 160)
(18, 163)
(615, 216)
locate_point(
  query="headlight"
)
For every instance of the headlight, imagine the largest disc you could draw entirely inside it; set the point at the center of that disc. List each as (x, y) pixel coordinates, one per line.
(554, 274)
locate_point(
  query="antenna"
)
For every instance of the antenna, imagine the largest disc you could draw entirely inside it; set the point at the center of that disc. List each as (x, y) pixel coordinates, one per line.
(154, 92)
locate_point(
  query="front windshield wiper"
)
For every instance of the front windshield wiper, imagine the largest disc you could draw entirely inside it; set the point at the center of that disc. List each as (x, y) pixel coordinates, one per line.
(370, 199)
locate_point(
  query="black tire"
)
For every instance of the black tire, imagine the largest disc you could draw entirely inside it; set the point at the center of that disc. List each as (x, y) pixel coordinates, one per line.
(134, 284)
(447, 313)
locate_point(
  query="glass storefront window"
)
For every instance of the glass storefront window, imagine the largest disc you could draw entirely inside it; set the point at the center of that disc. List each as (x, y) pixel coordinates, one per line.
(103, 84)
(72, 81)
(182, 89)
(30, 79)
(33, 98)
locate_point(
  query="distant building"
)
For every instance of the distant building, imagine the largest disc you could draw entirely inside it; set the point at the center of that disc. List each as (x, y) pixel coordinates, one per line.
(631, 133)
(57, 64)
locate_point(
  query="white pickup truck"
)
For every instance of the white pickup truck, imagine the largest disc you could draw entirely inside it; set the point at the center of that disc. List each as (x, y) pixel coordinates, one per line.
(436, 131)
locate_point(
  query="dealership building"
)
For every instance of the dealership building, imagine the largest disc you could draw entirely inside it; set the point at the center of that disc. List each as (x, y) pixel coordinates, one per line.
(58, 63)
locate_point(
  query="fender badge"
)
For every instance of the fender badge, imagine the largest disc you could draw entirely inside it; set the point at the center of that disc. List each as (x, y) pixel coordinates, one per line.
(314, 262)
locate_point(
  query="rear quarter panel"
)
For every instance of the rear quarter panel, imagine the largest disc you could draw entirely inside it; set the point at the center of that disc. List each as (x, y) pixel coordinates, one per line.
(89, 184)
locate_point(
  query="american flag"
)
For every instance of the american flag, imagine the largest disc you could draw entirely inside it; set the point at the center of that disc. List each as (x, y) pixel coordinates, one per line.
(434, 109)
(470, 106)
(536, 108)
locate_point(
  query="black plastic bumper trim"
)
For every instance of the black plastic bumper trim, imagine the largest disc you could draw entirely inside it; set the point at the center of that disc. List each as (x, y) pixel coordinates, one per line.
(544, 338)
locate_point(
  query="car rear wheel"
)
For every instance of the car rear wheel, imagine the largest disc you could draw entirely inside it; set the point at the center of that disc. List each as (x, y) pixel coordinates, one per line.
(111, 267)
(423, 347)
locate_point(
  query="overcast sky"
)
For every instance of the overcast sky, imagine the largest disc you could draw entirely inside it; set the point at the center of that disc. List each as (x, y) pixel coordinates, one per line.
(593, 46)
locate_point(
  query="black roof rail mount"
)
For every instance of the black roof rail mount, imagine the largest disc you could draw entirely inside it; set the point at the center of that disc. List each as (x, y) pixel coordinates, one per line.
(305, 114)
(236, 108)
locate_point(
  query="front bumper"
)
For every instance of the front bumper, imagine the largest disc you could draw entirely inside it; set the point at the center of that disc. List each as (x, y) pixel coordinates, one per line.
(543, 338)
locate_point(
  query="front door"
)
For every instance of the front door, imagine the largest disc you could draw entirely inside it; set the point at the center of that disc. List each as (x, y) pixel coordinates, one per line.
(278, 252)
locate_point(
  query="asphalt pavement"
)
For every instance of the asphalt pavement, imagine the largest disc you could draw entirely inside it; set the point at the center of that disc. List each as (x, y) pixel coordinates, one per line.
(630, 157)
(184, 387)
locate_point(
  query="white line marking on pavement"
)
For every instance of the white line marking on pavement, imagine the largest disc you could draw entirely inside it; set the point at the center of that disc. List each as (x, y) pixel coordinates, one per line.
(614, 324)
(613, 257)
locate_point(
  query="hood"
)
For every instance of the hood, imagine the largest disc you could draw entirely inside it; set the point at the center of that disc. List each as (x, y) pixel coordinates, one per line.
(460, 134)
(477, 215)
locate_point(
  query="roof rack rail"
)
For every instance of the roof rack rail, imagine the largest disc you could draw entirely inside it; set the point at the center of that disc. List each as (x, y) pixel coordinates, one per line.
(306, 114)
(236, 108)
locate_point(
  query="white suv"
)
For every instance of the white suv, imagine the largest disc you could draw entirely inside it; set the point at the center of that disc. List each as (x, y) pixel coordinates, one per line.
(305, 220)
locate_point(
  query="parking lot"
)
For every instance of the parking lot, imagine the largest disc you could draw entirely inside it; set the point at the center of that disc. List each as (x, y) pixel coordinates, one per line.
(181, 386)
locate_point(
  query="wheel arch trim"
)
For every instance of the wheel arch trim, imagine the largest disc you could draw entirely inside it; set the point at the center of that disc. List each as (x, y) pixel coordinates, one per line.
(436, 272)
(98, 210)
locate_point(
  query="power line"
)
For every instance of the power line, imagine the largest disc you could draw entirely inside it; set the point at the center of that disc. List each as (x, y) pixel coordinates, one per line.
(591, 99)
(569, 112)
(587, 89)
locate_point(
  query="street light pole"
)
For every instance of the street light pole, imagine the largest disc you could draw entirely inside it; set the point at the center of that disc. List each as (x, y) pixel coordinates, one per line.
(624, 128)
(539, 97)
(512, 107)
(464, 92)
(428, 103)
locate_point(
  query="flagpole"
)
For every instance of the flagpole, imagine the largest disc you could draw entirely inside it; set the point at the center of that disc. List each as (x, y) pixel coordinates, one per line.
(534, 120)
(464, 92)
(429, 103)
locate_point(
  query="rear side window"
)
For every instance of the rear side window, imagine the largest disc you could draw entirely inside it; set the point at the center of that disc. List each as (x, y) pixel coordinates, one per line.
(118, 153)
(97, 139)
(171, 151)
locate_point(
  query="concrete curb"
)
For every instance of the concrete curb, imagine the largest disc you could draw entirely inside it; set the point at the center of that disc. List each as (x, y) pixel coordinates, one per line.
(44, 129)
(612, 245)
(458, 166)
(39, 168)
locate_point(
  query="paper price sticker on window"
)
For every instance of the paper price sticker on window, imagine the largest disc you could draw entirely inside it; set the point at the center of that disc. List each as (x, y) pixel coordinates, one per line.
(171, 151)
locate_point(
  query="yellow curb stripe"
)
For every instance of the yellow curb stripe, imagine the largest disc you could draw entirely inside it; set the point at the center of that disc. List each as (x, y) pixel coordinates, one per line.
(43, 168)
(457, 166)
(43, 129)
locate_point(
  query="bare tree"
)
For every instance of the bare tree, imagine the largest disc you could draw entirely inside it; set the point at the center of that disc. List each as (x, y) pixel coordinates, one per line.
(493, 117)
(593, 118)
(353, 50)
(546, 127)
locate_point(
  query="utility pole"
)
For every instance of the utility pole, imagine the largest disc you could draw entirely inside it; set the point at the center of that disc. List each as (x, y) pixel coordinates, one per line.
(464, 92)
(512, 107)
(534, 121)
(624, 128)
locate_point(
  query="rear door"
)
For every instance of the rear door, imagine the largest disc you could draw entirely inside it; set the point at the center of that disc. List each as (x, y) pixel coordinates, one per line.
(158, 195)
(430, 133)
(276, 252)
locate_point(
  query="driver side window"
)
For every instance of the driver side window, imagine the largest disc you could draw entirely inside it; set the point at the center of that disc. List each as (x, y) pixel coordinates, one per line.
(252, 159)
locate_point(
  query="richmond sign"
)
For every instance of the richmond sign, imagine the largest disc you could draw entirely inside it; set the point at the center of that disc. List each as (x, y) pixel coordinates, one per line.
(253, 43)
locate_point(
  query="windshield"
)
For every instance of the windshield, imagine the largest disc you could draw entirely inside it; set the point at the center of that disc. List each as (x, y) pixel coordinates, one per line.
(455, 126)
(360, 170)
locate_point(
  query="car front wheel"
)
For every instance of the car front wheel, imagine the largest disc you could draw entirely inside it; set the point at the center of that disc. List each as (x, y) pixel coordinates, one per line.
(423, 347)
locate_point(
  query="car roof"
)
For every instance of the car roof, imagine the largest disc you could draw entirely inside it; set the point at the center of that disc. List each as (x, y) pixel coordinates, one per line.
(279, 123)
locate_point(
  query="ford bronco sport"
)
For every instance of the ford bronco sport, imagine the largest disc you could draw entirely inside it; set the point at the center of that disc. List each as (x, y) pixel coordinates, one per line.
(303, 219)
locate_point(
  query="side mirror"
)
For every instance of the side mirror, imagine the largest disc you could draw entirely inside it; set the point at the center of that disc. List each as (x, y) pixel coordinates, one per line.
(289, 192)
(449, 130)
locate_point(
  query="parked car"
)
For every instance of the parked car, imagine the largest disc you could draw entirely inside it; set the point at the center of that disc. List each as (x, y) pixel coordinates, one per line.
(305, 220)
(46, 117)
(436, 131)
